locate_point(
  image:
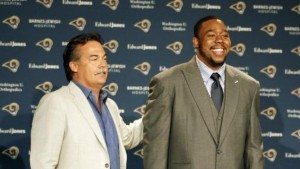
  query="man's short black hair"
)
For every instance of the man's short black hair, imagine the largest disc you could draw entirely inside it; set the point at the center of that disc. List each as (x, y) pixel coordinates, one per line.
(69, 54)
(199, 23)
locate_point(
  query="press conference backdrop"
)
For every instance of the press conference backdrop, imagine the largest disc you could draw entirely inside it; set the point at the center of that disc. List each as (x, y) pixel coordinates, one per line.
(143, 38)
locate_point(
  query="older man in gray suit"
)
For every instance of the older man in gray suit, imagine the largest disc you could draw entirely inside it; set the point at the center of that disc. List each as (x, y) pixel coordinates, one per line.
(203, 114)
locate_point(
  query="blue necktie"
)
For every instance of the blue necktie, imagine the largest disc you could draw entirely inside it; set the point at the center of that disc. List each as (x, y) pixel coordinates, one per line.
(216, 91)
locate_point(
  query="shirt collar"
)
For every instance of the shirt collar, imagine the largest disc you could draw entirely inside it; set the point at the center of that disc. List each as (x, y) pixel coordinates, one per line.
(88, 92)
(206, 71)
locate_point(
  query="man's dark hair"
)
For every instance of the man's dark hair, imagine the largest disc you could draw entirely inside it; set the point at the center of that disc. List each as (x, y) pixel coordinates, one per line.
(199, 23)
(70, 54)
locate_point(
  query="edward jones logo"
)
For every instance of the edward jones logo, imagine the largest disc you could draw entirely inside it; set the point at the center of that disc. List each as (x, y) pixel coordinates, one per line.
(78, 23)
(176, 5)
(11, 108)
(239, 49)
(239, 7)
(112, 4)
(46, 44)
(12, 152)
(12, 21)
(270, 71)
(175, 47)
(111, 88)
(45, 3)
(12, 65)
(144, 68)
(143, 25)
(45, 87)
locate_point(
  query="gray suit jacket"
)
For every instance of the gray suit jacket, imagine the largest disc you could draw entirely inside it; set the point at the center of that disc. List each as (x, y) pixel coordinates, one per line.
(66, 135)
(179, 128)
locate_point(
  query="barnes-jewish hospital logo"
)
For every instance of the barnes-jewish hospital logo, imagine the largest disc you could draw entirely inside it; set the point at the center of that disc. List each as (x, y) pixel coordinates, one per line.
(296, 50)
(270, 71)
(111, 88)
(239, 49)
(176, 47)
(296, 134)
(78, 23)
(11, 108)
(45, 3)
(269, 113)
(46, 44)
(296, 92)
(45, 87)
(12, 21)
(140, 110)
(11, 152)
(112, 4)
(111, 45)
(144, 68)
(239, 7)
(144, 25)
(270, 154)
(12, 65)
(296, 9)
(270, 29)
(176, 5)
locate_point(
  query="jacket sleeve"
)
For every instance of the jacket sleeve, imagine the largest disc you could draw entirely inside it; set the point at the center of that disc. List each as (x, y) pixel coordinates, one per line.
(254, 155)
(47, 133)
(156, 122)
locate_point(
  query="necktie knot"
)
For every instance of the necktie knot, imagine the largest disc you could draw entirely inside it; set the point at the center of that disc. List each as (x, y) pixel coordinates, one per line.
(215, 76)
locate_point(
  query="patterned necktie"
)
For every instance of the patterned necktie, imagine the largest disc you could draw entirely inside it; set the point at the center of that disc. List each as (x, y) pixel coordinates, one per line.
(216, 91)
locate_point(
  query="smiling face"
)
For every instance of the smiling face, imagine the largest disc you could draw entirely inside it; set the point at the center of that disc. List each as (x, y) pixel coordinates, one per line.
(90, 69)
(212, 43)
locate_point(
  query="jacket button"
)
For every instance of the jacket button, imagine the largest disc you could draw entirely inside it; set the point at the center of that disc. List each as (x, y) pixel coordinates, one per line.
(106, 165)
(219, 151)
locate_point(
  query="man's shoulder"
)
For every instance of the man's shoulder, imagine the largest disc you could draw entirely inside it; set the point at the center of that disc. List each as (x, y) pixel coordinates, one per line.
(171, 72)
(242, 75)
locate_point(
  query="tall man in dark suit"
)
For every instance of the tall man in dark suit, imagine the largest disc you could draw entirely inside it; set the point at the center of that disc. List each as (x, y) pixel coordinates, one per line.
(203, 114)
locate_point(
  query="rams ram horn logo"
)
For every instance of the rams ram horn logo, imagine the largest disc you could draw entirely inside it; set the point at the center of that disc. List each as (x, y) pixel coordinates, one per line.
(296, 9)
(270, 154)
(144, 25)
(296, 92)
(12, 21)
(269, 112)
(112, 46)
(296, 134)
(239, 7)
(269, 71)
(239, 49)
(46, 3)
(270, 29)
(111, 88)
(45, 87)
(78, 23)
(12, 65)
(139, 153)
(112, 4)
(12, 108)
(144, 68)
(296, 50)
(176, 47)
(46, 44)
(176, 5)
(140, 110)
(12, 152)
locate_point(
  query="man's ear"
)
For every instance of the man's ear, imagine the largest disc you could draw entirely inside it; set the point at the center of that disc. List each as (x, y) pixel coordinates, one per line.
(73, 66)
(195, 42)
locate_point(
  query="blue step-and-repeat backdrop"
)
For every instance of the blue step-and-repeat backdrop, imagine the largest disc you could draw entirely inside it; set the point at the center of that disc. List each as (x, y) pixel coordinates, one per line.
(143, 38)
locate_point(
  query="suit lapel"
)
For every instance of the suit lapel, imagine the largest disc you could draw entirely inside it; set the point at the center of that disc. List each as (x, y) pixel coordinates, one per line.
(231, 100)
(200, 95)
(86, 111)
